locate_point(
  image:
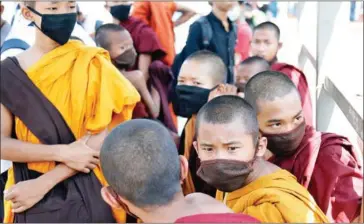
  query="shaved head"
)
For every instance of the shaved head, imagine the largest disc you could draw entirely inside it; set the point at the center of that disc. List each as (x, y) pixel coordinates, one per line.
(217, 68)
(269, 26)
(227, 109)
(140, 162)
(268, 86)
(102, 36)
(256, 60)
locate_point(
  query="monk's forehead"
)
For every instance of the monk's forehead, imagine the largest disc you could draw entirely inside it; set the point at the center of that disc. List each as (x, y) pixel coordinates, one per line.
(274, 105)
(265, 32)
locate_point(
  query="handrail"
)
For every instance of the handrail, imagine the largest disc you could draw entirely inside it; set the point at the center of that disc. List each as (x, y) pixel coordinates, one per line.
(343, 103)
(345, 106)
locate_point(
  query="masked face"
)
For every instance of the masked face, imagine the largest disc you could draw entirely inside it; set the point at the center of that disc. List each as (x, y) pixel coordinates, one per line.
(285, 144)
(281, 121)
(234, 13)
(57, 27)
(190, 99)
(127, 59)
(120, 12)
(227, 154)
(121, 49)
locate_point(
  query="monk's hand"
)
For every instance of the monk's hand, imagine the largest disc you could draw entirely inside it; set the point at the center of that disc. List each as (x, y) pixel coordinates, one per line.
(79, 156)
(26, 194)
(223, 89)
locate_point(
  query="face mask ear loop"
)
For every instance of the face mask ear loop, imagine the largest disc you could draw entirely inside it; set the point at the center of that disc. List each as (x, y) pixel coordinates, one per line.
(37, 13)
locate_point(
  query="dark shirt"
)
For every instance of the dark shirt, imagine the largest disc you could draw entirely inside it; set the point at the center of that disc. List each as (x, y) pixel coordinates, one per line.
(222, 43)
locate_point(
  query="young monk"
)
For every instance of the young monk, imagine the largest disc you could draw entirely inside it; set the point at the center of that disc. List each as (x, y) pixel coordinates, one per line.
(150, 53)
(118, 42)
(230, 150)
(200, 73)
(266, 44)
(151, 190)
(58, 100)
(324, 163)
(247, 69)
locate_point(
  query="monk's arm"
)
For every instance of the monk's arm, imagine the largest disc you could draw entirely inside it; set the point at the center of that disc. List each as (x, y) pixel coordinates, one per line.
(143, 65)
(19, 151)
(187, 14)
(62, 172)
(137, 79)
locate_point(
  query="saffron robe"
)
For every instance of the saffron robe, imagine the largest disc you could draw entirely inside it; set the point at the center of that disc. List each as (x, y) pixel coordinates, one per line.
(327, 165)
(299, 79)
(89, 93)
(275, 198)
(158, 15)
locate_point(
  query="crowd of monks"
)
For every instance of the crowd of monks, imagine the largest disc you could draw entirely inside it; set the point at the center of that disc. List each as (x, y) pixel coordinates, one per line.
(92, 133)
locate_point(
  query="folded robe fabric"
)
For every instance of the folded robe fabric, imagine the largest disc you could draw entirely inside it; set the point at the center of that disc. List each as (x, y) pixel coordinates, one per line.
(330, 167)
(275, 198)
(91, 95)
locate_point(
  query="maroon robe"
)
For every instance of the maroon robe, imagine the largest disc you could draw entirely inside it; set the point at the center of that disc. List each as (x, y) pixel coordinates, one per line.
(146, 42)
(299, 79)
(217, 218)
(327, 165)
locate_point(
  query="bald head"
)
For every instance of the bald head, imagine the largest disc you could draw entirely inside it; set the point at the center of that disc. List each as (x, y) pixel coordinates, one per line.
(256, 60)
(216, 68)
(227, 109)
(140, 162)
(103, 34)
(268, 86)
(269, 26)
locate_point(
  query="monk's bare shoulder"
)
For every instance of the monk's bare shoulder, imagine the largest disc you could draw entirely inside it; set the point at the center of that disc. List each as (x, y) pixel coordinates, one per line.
(207, 203)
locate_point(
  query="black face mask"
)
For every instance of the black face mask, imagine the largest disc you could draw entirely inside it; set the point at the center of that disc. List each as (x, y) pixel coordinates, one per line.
(57, 27)
(120, 12)
(190, 99)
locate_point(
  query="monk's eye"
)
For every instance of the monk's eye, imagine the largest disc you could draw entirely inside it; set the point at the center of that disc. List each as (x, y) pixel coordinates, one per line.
(299, 118)
(208, 149)
(197, 83)
(232, 149)
(52, 8)
(275, 125)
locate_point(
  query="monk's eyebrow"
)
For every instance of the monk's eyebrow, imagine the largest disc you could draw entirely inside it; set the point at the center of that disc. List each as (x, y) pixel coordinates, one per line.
(299, 113)
(206, 144)
(274, 121)
(232, 143)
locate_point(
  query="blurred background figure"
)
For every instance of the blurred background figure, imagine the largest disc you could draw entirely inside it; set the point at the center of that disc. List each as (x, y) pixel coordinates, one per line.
(244, 32)
(5, 26)
(158, 15)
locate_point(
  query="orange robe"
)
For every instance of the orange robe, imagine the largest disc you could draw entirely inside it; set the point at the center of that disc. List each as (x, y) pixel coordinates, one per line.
(87, 90)
(275, 198)
(158, 15)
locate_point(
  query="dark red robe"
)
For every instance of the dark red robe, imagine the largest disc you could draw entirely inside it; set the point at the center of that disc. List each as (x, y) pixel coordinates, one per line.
(299, 79)
(146, 42)
(327, 165)
(218, 218)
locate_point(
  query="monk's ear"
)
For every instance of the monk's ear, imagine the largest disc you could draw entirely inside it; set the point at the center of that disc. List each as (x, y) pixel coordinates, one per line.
(195, 146)
(262, 146)
(184, 168)
(109, 197)
(280, 44)
(27, 14)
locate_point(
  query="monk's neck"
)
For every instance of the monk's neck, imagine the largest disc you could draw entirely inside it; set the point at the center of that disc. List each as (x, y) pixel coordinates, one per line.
(261, 168)
(169, 213)
(115, 21)
(44, 44)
